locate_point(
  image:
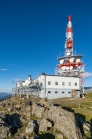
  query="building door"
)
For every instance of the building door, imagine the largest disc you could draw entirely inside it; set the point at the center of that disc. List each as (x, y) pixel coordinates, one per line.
(73, 93)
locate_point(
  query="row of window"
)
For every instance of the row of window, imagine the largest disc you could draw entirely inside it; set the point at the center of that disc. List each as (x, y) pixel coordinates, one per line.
(57, 92)
(63, 83)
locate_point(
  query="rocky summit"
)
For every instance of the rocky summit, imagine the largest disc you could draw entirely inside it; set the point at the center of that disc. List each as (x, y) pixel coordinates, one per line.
(34, 118)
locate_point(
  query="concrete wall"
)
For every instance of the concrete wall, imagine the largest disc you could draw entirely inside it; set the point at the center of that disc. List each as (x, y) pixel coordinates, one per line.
(61, 79)
(44, 79)
(41, 79)
(58, 93)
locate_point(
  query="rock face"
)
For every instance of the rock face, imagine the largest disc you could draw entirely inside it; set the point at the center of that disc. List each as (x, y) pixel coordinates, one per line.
(3, 132)
(30, 127)
(46, 115)
(37, 110)
(64, 121)
(44, 125)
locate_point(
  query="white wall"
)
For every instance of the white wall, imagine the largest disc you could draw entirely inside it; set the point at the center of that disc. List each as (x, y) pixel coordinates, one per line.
(61, 79)
(44, 92)
(41, 79)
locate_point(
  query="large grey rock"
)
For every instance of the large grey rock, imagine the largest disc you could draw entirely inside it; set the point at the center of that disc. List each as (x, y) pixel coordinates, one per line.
(3, 132)
(44, 125)
(47, 103)
(28, 114)
(38, 110)
(30, 127)
(64, 121)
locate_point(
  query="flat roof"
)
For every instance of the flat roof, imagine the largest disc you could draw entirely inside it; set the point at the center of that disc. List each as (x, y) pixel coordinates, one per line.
(75, 56)
(58, 75)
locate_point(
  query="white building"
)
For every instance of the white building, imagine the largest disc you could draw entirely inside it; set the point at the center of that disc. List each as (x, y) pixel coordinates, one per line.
(55, 86)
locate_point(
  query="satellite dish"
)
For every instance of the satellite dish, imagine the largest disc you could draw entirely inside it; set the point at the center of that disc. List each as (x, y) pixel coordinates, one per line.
(71, 67)
(77, 60)
(23, 83)
(68, 54)
(71, 59)
(64, 67)
(61, 61)
(67, 68)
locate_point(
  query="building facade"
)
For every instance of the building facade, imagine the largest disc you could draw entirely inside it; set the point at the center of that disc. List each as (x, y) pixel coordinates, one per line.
(55, 86)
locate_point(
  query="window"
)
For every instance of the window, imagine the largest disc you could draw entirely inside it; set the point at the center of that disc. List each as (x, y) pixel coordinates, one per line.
(56, 83)
(69, 92)
(49, 82)
(63, 83)
(56, 92)
(69, 83)
(63, 92)
(75, 84)
(49, 91)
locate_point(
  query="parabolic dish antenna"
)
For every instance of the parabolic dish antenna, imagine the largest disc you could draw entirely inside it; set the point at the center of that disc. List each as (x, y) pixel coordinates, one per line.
(68, 54)
(67, 68)
(71, 67)
(64, 67)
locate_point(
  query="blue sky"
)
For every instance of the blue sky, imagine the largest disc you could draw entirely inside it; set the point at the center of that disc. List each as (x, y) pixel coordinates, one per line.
(32, 35)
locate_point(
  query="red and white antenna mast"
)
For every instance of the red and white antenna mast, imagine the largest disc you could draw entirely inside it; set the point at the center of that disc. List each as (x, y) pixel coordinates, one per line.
(69, 38)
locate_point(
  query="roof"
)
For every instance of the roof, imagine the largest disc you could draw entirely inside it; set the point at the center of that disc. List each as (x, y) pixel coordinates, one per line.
(58, 75)
(75, 56)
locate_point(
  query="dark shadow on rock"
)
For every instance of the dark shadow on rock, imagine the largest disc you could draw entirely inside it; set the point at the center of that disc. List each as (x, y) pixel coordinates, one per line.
(47, 136)
(50, 122)
(80, 120)
(40, 105)
(18, 109)
(37, 137)
(68, 109)
(30, 103)
(36, 130)
(12, 122)
(56, 104)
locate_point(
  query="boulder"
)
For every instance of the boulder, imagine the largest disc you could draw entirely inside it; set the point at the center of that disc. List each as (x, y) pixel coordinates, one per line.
(64, 121)
(38, 110)
(44, 125)
(30, 127)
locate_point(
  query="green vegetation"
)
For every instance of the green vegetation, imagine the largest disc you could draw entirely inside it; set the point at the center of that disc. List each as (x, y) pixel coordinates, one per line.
(87, 135)
(34, 117)
(80, 106)
(23, 128)
(9, 138)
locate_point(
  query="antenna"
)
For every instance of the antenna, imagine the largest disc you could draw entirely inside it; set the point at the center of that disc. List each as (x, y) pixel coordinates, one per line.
(13, 83)
(37, 72)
